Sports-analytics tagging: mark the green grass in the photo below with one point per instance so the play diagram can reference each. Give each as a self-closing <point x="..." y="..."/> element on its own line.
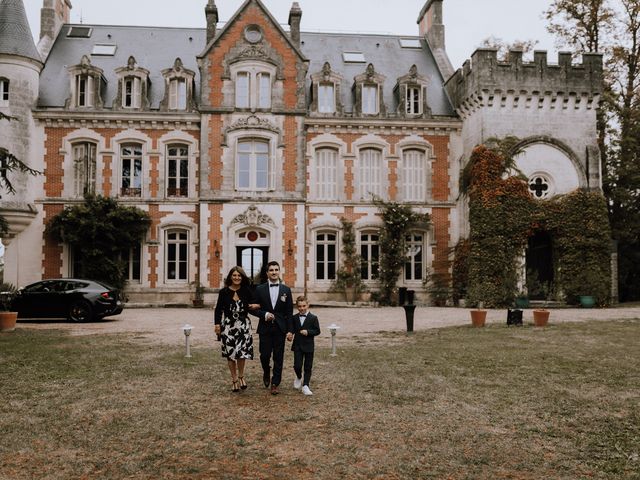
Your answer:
<point x="560" y="402"/>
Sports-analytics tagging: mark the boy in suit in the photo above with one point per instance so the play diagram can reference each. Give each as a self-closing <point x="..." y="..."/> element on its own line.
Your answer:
<point x="274" y="326"/>
<point x="305" y="327"/>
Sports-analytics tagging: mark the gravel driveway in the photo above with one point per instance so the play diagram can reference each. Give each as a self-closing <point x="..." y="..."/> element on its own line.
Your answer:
<point x="164" y="325"/>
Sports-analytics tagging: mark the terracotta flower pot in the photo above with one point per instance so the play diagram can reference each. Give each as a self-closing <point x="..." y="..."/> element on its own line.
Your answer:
<point x="8" y="321"/>
<point x="541" y="318"/>
<point x="478" y="317"/>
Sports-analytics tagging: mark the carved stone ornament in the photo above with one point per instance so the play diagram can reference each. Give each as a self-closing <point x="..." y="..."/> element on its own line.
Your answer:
<point x="254" y="122"/>
<point x="253" y="51"/>
<point x="252" y="217"/>
<point x="413" y="72"/>
<point x="370" y="72"/>
<point x="131" y="63"/>
<point x="326" y="71"/>
<point x="177" y="65"/>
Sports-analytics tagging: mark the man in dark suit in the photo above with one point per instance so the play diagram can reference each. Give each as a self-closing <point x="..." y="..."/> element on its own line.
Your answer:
<point x="305" y="327"/>
<point x="274" y="325"/>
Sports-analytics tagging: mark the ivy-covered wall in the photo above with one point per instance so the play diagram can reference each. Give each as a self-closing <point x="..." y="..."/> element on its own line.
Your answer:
<point x="503" y="215"/>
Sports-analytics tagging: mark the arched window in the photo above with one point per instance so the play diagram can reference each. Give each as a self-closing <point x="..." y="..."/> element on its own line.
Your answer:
<point x="326" y="174"/>
<point x="131" y="170"/>
<point x="369" y="255"/>
<point x="177" y="170"/>
<point x="176" y="255"/>
<point x="414" y="265"/>
<point x="370" y="173"/>
<point x="253" y="170"/>
<point x="413" y="175"/>
<point x="84" y="168"/>
<point x="326" y="255"/>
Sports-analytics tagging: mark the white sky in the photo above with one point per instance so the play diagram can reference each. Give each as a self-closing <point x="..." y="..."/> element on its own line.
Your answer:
<point x="467" y="22"/>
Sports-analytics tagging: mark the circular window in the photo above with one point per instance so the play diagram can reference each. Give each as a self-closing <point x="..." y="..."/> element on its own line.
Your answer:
<point x="540" y="186"/>
<point x="252" y="33"/>
<point x="252" y="236"/>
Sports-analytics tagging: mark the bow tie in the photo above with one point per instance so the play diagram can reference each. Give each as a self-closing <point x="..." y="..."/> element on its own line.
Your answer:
<point x="274" y="284"/>
<point x="303" y="316"/>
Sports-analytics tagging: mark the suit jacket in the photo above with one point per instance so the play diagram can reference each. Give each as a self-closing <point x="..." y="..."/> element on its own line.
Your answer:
<point x="283" y="309"/>
<point x="305" y="343"/>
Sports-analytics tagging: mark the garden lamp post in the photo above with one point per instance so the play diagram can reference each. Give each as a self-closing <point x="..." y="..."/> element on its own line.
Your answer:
<point x="333" y="328"/>
<point x="187" y="333"/>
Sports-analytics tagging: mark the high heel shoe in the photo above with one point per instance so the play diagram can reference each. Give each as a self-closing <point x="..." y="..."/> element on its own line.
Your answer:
<point x="243" y="384"/>
<point x="235" y="385"/>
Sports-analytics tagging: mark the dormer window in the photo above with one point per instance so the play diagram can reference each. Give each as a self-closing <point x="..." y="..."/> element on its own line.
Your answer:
<point x="325" y="91"/>
<point x="4" y="92"/>
<point x="178" y="94"/>
<point x="368" y="92"/>
<point x="326" y="98"/>
<point x="253" y="85"/>
<point x="370" y="99"/>
<point x="133" y="84"/>
<point x="131" y="92"/>
<point x="86" y="83"/>
<point x="411" y="94"/>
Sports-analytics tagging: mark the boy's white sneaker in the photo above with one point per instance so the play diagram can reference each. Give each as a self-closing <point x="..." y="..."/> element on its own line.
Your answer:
<point x="297" y="383"/>
<point x="306" y="390"/>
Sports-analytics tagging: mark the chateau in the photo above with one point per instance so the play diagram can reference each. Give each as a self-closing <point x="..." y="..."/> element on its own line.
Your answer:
<point x="248" y="141"/>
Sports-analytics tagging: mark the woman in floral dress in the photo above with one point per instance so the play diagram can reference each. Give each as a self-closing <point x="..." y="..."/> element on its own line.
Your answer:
<point x="233" y="326"/>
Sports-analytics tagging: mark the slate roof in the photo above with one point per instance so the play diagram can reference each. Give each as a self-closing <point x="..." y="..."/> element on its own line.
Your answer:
<point x="156" y="48"/>
<point x="15" y="34"/>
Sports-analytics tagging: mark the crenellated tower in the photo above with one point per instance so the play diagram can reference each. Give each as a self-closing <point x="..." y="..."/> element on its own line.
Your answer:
<point x="550" y="107"/>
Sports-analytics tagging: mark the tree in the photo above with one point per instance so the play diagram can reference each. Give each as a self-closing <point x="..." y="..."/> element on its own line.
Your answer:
<point x="613" y="28"/>
<point x="100" y="231"/>
<point x="526" y="46"/>
<point x="9" y="163"/>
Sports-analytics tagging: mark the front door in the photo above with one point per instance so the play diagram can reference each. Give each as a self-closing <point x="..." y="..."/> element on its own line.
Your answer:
<point x="252" y="260"/>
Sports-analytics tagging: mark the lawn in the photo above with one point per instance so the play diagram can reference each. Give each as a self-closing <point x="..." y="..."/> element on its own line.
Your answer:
<point x="455" y="403"/>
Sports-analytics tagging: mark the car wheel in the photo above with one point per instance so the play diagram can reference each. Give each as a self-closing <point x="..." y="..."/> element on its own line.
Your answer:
<point x="80" y="312"/>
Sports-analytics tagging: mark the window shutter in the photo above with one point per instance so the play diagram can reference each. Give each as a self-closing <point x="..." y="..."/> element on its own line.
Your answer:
<point x="136" y="92"/>
<point x="90" y="91"/>
<point x="173" y="94"/>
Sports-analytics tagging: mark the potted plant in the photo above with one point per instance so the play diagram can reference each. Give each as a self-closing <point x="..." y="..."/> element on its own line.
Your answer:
<point x="198" y="296"/>
<point x="587" y="301"/>
<point x="478" y="316"/>
<point x="8" y="318"/>
<point x="522" y="299"/>
<point x="541" y="315"/>
<point x="348" y="279"/>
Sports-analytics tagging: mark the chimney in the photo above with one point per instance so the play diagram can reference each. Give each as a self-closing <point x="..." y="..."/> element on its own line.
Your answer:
<point x="53" y="15"/>
<point x="211" y="13"/>
<point x="295" y="15"/>
<point x="431" y="28"/>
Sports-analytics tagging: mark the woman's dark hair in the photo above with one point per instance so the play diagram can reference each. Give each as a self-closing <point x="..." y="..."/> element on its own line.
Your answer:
<point x="245" y="280"/>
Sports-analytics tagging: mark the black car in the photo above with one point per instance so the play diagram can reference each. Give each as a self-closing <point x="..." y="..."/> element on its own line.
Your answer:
<point x="76" y="299"/>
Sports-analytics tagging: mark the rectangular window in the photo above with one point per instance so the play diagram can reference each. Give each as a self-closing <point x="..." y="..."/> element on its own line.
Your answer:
<point x="414" y="177"/>
<point x="413" y="100"/>
<point x="242" y="90"/>
<point x="414" y="265"/>
<point x="326" y="247"/>
<point x="178" y="171"/>
<point x="84" y="91"/>
<point x="252" y="169"/>
<point x="370" y="99"/>
<point x="326" y="177"/>
<point x="131" y="174"/>
<point x="84" y="162"/>
<point x="369" y="256"/>
<point x="177" y="258"/>
<point x="178" y="94"/>
<point x="264" y="90"/>
<point x="370" y="173"/>
<point x="326" y="98"/>
<point x="131" y="92"/>
<point x="4" y="92"/>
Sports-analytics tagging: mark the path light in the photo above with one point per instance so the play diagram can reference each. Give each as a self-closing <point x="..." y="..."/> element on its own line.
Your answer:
<point x="187" y="333"/>
<point x="332" y="328"/>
